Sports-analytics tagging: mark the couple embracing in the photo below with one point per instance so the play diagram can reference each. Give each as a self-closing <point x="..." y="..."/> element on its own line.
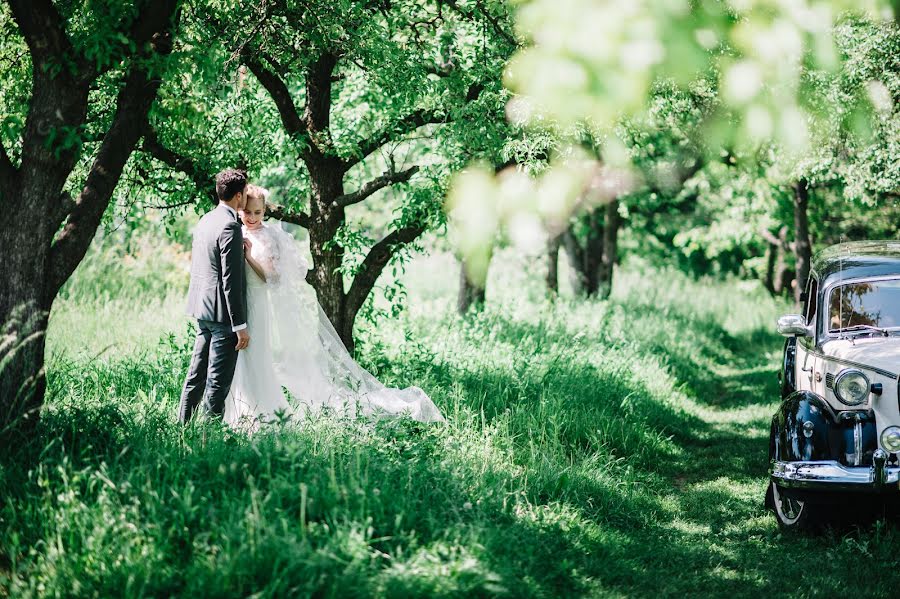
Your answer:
<point x="261" y="330"/>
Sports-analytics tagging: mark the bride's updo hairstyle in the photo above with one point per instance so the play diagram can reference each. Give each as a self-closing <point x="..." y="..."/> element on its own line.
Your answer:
<point x="255" y="192"/>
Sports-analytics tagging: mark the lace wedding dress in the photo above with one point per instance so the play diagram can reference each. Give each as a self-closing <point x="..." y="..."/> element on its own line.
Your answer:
<point x="294" y="346"/>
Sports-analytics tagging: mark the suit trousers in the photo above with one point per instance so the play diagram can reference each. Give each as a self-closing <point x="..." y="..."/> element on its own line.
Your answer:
<point x="212" y="370"/>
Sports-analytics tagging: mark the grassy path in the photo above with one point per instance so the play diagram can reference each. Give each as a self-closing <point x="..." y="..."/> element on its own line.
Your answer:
<point x="593" y="449"/>
<point x="716" y="539"/>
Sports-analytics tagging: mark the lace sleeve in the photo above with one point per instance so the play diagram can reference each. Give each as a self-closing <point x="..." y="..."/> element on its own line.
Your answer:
<point x="270" y="260"/>
<point x="265" y="254"/>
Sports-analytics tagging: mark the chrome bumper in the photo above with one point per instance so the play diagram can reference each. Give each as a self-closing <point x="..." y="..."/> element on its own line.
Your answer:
<point x="833" y="476"/>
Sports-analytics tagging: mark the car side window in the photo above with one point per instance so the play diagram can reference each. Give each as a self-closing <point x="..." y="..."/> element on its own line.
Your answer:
<point x="812" y="294"/>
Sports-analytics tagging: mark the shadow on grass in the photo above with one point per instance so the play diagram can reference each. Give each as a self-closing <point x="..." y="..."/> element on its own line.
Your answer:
<point x="583" y="478"/>
<point x="698" y="520"/>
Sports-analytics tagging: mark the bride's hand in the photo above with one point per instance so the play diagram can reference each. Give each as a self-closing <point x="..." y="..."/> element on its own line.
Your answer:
<point x="248" y="245"/>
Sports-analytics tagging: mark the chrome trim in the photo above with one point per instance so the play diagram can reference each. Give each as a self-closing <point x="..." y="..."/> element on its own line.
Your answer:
<point x="857" y="442"/>
<point x="878" y="470"/>
<point x="859" y="365"/>
<point x="791" y="325"/>
<point x="831" y="475"/>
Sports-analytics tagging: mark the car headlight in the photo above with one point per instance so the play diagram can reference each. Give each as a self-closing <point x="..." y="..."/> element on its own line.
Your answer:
<point x="890" y="438"/>
<point x="851" y="387"/>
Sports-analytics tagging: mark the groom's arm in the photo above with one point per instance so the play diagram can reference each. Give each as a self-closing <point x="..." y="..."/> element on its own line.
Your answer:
<point x="231" y="243"/>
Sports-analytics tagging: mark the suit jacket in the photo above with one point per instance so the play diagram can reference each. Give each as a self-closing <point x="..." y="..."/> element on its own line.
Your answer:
<point x="218" y="290"/>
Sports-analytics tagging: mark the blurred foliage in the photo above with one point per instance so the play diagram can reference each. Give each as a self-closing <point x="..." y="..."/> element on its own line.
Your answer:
<point x="716" y="109"/>
<point x="714" y="222"/>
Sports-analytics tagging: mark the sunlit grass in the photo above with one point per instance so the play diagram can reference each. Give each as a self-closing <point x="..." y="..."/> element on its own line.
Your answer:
<point x="592" y="448"/>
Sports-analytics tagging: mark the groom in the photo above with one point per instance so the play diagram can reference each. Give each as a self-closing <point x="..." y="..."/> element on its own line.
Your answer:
<point x="217" y="299"/>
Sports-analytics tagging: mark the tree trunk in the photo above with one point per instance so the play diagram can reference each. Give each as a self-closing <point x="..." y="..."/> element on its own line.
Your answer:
<point x="802" y="244"/>
<point x="26" y="296"/>
<point x="593" y="262"/>
<point x="778" y="275"/>
<point x="40" y="257"/>
<point x="327" y="255"/>
<point x="784" y="275"/>
<point x="471" y="296"/>
<point x="769" y="275"/>
<point x="593" y="254"/>
<point x="24" y="316"/>
<point x="610" y="245"/>
<point x="553" y="243"/>
<point x="574" y="251"/>
<point x="328" y="201"/>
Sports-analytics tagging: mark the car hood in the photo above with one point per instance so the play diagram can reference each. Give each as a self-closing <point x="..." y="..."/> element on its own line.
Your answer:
<point x="875" y="352"/>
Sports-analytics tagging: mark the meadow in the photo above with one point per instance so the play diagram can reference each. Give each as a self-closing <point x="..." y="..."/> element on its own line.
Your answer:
<point x="592" y="448"/>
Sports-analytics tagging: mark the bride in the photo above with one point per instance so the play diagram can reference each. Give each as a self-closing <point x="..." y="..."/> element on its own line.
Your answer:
<point x="294" y="344"/>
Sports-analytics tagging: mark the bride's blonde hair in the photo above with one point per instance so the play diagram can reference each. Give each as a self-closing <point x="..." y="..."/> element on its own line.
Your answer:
<point x="255" y="192"/>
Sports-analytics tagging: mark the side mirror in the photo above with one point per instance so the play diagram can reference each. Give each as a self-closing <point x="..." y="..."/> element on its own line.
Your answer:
<point x="793" y="325"/>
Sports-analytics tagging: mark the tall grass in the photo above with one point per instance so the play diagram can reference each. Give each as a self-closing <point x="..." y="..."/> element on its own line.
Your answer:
<point x="592" y="448"/>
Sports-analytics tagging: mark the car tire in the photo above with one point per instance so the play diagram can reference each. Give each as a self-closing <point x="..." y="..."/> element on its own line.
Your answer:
<point x="795" y="515"/>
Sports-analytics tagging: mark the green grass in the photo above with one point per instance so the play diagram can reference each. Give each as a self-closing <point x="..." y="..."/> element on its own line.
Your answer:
<point x="592" y="449"/>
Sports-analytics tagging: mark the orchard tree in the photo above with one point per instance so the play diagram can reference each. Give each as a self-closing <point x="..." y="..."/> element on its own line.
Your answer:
<point x="597" y="62"/>
<point x="79" y="81"/>
<point x="330" y="104"/>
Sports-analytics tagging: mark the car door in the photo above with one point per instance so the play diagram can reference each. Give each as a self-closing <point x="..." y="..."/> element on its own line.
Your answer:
<point x="809" y="375"/>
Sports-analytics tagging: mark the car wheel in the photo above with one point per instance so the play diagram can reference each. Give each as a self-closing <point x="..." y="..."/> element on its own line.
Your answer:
<point x="794" y="514"/>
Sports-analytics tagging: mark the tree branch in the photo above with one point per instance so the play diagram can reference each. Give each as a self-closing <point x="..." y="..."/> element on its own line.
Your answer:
<point x="405" y="126"/>
<point x="279" y="212"/>
<point x="43" y="29"/>
<point x="203" y="180"/>
<point x="290" y="116"/>
<point x="388" y="178"/>
<point x="768" y="237"/>
<point x="317" y="113"/>
<point x="375" y="261"/>
<point x="494" y="21"/>
<point x="130" y="122"/>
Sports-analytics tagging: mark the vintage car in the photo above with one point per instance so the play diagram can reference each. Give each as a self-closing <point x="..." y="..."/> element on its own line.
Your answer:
<point x="836" y="434"/>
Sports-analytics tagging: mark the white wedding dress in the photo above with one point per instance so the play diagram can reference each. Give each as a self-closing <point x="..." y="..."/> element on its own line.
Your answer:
<point x="293" y="346"/>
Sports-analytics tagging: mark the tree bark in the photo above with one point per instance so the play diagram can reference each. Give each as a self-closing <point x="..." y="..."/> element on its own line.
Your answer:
<point x="471" y="296"/>
<point x="610" y="254"/>
<point x="593" y="261"/>
<point x="769" y="275"/>
<point x="778" y="275"/>
<point x="41" y="257"/>
<point x="802" y="243"/>
<point x="553" y="244"/>
<point x="24" y="316"/>
<point x="58" y="103"/>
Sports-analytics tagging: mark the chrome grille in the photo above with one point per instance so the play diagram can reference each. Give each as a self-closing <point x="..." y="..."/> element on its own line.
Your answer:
<point x="829" y="380"/>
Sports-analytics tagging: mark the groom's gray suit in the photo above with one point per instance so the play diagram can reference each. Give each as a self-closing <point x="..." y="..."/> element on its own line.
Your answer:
<point x="217" y="298"/>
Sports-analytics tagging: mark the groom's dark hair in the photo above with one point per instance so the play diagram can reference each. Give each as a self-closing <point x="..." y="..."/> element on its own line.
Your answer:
<point x="229" y="182"/>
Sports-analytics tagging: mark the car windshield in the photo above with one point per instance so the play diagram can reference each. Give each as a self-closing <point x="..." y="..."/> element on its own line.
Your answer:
<point x="865" y="307"/>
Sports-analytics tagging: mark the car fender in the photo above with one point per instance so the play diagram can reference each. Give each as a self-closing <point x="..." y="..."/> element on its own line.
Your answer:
<point x="848" y="437"/>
